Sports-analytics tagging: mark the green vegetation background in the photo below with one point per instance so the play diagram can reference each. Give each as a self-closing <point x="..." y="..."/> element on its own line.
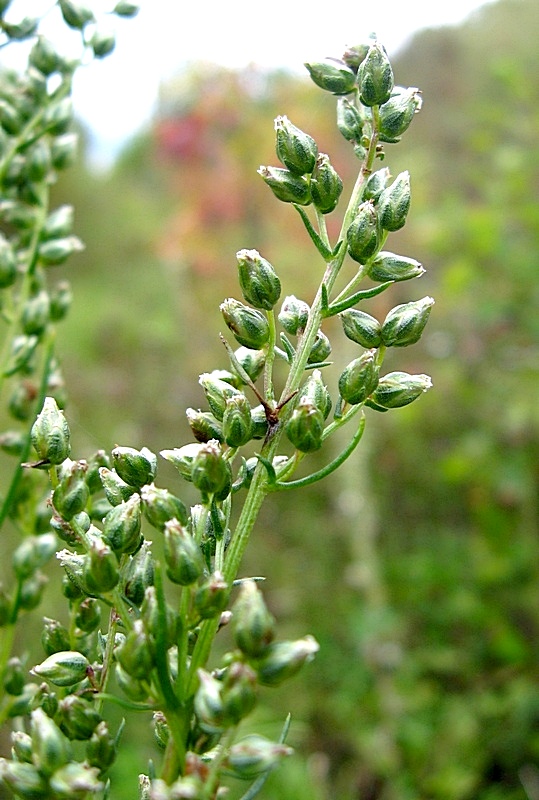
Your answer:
<point x="417" y="567"/>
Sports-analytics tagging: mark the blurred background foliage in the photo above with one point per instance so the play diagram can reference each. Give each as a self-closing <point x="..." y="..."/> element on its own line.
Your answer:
<point x="415" y="567"/>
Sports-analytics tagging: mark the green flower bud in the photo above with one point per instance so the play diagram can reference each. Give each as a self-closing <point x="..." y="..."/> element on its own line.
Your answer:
<point x="100" y="574"/>
<point x="64" y="150"/>
<point x="239" y="692"/>
<point x="258" y="280"/>
<point x="212" y="596"/>
<point x="21" y="747"/>
<point x="332" y="75"/>
<point x="320" y="350"/>
<point x="183" y="557"/>
<point x="20" y="215"/>
<point x="75" y="781"/>
<point x="21" y="705"/>
<point x="14" y="677"/>
<point x="405" y="323"/>
<point x="135" y="467"/>
<point x="305" y="427"/>
<point x="160" y="505"/>
<point x="38" y="162"/>
<point x="151" y="616"/>
<point x="12" y="442"/>
<point x="282" y="660"/>
<point x="354" y="55"/>
<point x="51" y="749"/>
<point x="124" y="8"/>
<point x="293" y="315"/>
<point x="316" y="392"/>
<point x="361" y="328"/>
<point x="260" y="422"/>
<point x="54" y="637"/>
<point x="50" y="433"/>
<point x="255" y="755"/>
<point x="138" y="575"/>
<point x="102" y="748"/>
<point x="64" y="668"/>
<point x="237" y="422"/>
<point x="56" y="251"/>
<point x="60" y="301"/>
<point x="363" y="234"/>
<point x="326" y="185"/>
<point x="182" y="458"/>
<point x="252" y="361"/>
<point x="71" y="495"/>
<point x="397" y="389"/>
<point x="376" y="184"/>
<point x="102" y="43"/>
<point x="252" y="624"/>
<point x="132" y="688"/>
<point x="161" y="730"/>
<point x="31" y="591"/>
<point x="249" y="326"/>
<point x="217" y="392"/>
<point x="359" y="378"/>
<point x="211" y="471"/>
<point x="33" y="553"/>
<point x="295" y="149"/>
<point x="375" y="77"/>
<point x="394" y="203"/>
<point x="116" y="490"/>
<point x="10" y="119"/>
<point x="286" y="186"/>
<point x="43" y="56"/>
<point x="390" y="267"/>
<point x="209" y="704"/>
<point x="23" y="780"/>
<point x="75" y="14"/>
<point x="21" y="402"/>
<point x="8" y="264"/>
<point x="121" y="526"/>
<point x="59" y="223"/>
<point x="397" y="114"/>
<point x="88" y="615"/>
<point x="135" y="654"/>
<point x="22" y="352"/>
<point x="204" y="425"/>
<point x="349" y="120"/>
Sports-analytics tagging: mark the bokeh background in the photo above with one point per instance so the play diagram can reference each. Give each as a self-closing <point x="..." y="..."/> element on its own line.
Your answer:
<point x="416" y="567"/>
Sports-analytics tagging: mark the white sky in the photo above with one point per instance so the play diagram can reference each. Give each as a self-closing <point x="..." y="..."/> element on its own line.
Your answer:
<point x="116" y="97"/>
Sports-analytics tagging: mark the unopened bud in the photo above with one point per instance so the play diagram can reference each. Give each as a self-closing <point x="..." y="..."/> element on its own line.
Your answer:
<point x="394" y="203"/>
<point x="249" y="326"/>
<point x="375" y="77"/>
<point x="23" y="780"/>
<point x="211" y="471"/>
<point x="43" y="56"/>
<point x="134" y="654"/>
<point x="209" y="704"/>
<point x="64" y="668"/>
<point x="102" y="748"/>
<point x="204" y="425"/>
<point x="295" y="149"/>
<point x="135" y="467"/>
<point x="252" y="624"/>
<point x="239" y="692"/>
<point x="217" y="392"/>
<point x="54" y="637"/>
<point x="71" y="495"/>
<point x="101" y="570"/>
<point x="326" y="185"/>
<point x="60" y="301"/>
<point x="391" y="267"/>
<point x="255" y="755"/>
<point x="286" y="186"/>
<point x="14" y="677"/>
<point x="305" y="427"/>
<point x="56" y="251"/>
<point x="258" y="280"/>
<point x="359" y="378"/>
<point x="363" y="236"/>
<point x="88" y="615"/>
<point x="397" y="114"/>
<point x="316" y="392"/>
<point x="252" y="361"/>
<point x="116" y="490"/>
<point x="138" y="575"/>
<point x="320" y="349"/>
<point x="293" y="315"/>
<point x="75" y="781"/>
<point x="102" y="43"/>
<point x="282" y="660"/>
<point x="397" y="389"/>
<point x="212" y="596"/>
<point x="64" y="150"/>
<point x="121" y="526"/>
<point x="405" y="323"/>
<point x="182" y="458"/>
<point x="51" y="749"/>
<point x="361" y="328"/>
<point x="237" y="422"/>
<point x="50" y="433"/>
<point x="349" y="120"/>
<point x="31" y="591"/>
<point x="376" y="183"/>
<point x="33" y="553"/>
<point x="183" y="557"/>
<point x="260" y="422"/>
<point x="160" y="505"/>
<point x="124" y="8"/>
<point x="76" y="14"/>
<point x="332" y="75"/>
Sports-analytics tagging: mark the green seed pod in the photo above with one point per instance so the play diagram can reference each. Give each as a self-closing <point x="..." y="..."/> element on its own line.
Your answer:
<point x="360" y="327"/>
<point x="153" y="625"/>
<point x="182" y="458"/>
<point x="237" y="422"/>
<point x="61" y="298"/>
<point x="326" y="185"/>
<point x="363" y="234"/>
<point x="211" y="596"/>
<point x="397" y="114"/>
<point x="23" y="780"/>
<point x="405" y="323"/>
<point x="56" y="251"/>
<point x="124" y="8"/>
<point x="320" y="350"/>
<point x="88" y="616"/>
<point x="295" y="149"/>
<point x="286" y="186"/>
<point x="38" y="162"/>
<point x="332" y="75"/>
<point x="101" y="574"/>
<point x="135" y="653"/>
<point x="64" y="150"/>
<point x="22" y="352"/>
<point x="349" y="120"/>
<point x="64" y="668"/>
<point x="238" y="693"/>
<point x="31" y="591"/>
<point x="183" y="557"/>
<point x="394" y="203"/>
<point x="258" y="280"/>
<point x="376" y="184"/>
<point x="260" y="422"/>
<point x="294" y="315"/>
<point x="102" y="43"/>
<point x="252" y="361"/>
<point x="71" y="495"/>
<point x="54" y="637"/>
<point x="282" y="660"/>
<point x="20" y="215"/>
<point x="354" y="55"/>
<point x="14" y="677"/>
<point x="12" y="442"/>
<point x="204" y="425"/>
<point x="397" y="389"/>
<point x="209" y="704"/>
<point x="255" y="755"/>
<point x="50" y="433"/>
<point x="211" y="471"/>
<point x="75" y="781"/>
<point x="59" y="223"/>
<point x="375" y="77"/>
<point x="24" y="29"/>
<point x="21" y="747"/>
<point x="159" y="506"/>
<point x="121" y="526"/>
<point x="359" y="378"/>
<point x="132" y="688"/>
<point x="10" y="119"/>
<point x="316" y="392"/>
<point x="135" y="467"/>
<point x="217" y="392"/>
<point x="390" y="267"/>
<point x="33" y="553"/>
<point x="8" y="264"/>
<point x="77" y="717"/>
<point x="116" y="490"/>
<point x="305" y="427"/>
<point x="253" y="626"/>
<point x="102" y="748"/>
<point x="51" y="749"/>
<point x="22" y="400"/>
<point x="75" y="14"/>
<point x="249" y="326"/>
<point x="138" y="575"/>
<point x="43" y="56"/>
